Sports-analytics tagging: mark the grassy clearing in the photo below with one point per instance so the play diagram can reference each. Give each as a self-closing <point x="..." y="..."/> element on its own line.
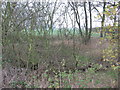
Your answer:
<point x="57" y="32"/>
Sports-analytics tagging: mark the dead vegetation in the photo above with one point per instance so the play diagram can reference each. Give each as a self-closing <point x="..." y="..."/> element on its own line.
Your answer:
<point x="50" y="62"/>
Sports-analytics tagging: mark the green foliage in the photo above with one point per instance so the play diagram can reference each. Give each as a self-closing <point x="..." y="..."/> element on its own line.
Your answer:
<point x="18" y="84"/>
<point x="22" y="84"/>
<point x="34" y="47"/>
<point x="53" y="83"/>
<point x="82" y="60"/>
<point x="97" y="81"/>
<point x="113" y="73"/>
<point x="110" y="54"/>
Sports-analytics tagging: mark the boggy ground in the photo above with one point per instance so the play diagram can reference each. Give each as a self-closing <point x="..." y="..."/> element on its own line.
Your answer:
<point x="46" y="62"/>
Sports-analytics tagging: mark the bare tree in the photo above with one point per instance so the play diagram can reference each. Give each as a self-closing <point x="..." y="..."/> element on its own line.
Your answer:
<point x="77" y="16"/>
<point x="75" y="7"/>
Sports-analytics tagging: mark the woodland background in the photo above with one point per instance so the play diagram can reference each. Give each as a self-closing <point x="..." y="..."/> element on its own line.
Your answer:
<point x="54" y="44"/>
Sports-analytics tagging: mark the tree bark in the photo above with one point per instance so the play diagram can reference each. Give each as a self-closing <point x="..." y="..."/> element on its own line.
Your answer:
<point x="114" y="24"/>
<point x="86" y="23"/>
<point x="103" y="20"/>
<point x="77" y="17"/>
<point x="90" y="20"/>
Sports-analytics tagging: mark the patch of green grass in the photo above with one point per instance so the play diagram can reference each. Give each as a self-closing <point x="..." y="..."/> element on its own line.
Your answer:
<point x="82" y="60"/>
<point x="107" y="87"/>
<point x="94" y="34"/>
<point x="18" y="84"/>
<point x="56" y="32"/>
<point x="97" y="81"/>
<point x="112" y="73"/>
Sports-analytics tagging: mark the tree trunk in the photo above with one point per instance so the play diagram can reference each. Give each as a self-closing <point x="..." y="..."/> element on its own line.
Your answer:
<point x="90" y="20"/>
<point x="86" y="24"/>
<point x="103" y="20"/>
<point x="114" y="24"/>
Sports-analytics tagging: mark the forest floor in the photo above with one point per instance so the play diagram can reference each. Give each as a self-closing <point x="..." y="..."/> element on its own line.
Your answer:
<point x="54" y="73"/>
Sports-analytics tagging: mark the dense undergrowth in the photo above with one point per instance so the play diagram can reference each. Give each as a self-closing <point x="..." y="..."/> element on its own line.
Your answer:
<point x="46" y="63"/>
